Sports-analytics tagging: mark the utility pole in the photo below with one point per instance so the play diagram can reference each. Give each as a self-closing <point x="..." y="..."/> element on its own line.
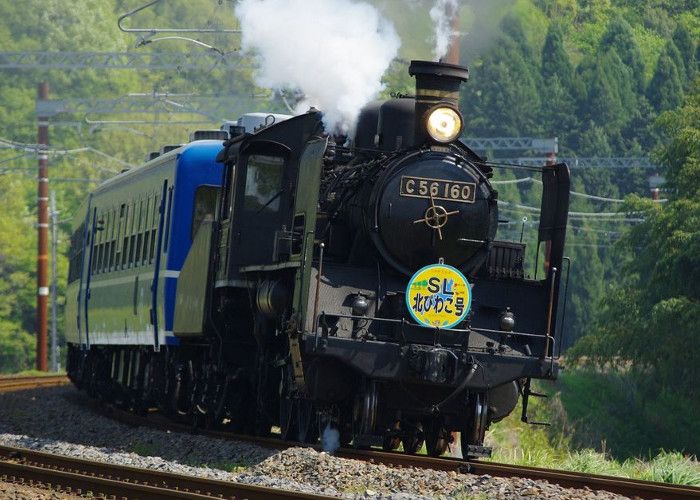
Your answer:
<point x="54" y="284"/>
<point x="42" y="228"/>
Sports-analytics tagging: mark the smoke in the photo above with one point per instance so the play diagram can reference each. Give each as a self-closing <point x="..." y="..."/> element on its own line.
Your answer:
<point x="334" y="51"/>
<point x="442" y="13"/>
<point x="330" y="439"/>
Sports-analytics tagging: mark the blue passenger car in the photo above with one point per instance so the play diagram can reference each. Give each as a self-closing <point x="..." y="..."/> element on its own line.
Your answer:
<point x="129" y="242"/>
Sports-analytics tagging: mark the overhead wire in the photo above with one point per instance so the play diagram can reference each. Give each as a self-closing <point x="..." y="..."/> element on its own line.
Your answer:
<point x="37" y="148"/>
<point x="532" y="180"/>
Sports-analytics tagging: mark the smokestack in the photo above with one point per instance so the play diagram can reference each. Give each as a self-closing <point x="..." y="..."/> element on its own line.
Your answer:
<point x="452" y="56"/>
<point x="436" y="83"/>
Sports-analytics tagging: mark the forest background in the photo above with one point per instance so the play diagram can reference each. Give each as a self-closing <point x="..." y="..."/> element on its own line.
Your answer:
<point x="609" y="78"/>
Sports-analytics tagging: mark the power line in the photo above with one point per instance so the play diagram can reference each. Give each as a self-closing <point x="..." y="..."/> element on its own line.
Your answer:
<point x="41" y="149"/>
<point x="215" y="107"/>
<point x="575" y="193"/>
<point x="121" y="60"/>
<point x="528" y="208"/>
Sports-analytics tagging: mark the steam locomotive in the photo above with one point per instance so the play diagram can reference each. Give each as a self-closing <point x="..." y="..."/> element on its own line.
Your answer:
<point x="275" y="275"/>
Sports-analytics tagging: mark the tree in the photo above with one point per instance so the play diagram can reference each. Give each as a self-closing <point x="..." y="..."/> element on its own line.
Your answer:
<point x="619" y="36"/>
<point x="650" y="316"/>
<point x="684" y="41"/>
<point x="559" y="118"/>
<point x="665" y="90"/>
<point x="555" y="60"/>
<point x="611" y="96"/>
<point x="502" y="96"/>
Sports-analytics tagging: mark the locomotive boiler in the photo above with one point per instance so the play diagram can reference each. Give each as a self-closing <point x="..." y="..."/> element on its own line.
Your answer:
<point x="355" y="283"/>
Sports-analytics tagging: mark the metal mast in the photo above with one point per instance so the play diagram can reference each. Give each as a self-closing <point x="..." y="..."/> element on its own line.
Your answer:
<point x="54" y="284"/>
<point x="43" y="229"/>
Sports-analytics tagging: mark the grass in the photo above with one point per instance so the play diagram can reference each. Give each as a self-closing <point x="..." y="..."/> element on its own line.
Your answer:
<point x="227" y="466"/>
<point x="604" y="423"/>
<point x="144" y="449"/>
<point x="31" y="373"/>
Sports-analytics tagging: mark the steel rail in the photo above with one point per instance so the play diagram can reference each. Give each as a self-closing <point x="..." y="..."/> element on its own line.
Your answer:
<point x="9" y="384"/>
<point x="101" y="478"/>
<point x="565" y="479"/>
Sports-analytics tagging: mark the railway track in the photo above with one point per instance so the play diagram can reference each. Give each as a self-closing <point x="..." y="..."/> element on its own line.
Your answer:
<point x="99" y="479"/>
<point x="623" y="486"/>
<point x="9" y="384"/>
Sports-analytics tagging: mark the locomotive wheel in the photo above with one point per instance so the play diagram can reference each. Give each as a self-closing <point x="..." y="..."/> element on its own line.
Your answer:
<point x="437" y="439"/>
<point x="413" y="442"/>
<point x="475" y="430"/>
<point x="391" y="440"/>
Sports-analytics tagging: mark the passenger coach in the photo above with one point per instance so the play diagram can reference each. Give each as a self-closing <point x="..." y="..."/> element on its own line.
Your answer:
<point x="144" y="222"/>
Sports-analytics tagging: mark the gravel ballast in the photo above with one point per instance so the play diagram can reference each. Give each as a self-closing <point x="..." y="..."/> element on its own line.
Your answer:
<point x="58" y="420"/>
<point x="13" y="491"/>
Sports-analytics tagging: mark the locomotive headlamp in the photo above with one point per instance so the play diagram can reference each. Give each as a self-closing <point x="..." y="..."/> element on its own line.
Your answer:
<point x="443" y="123"/>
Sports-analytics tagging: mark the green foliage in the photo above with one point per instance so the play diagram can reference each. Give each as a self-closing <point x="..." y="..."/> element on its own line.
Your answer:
<point x="604" y="423"/>
<point x="555" y="59"/>
<point x="649" y="319"/>
<point x="665" y="90"/>
<point x="620" y="37"/>
<point x="16" y="348"/>
<point x="683" y="40"/>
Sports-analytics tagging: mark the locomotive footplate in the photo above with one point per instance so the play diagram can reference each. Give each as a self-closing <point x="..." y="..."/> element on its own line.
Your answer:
<point x="427" y="364"/>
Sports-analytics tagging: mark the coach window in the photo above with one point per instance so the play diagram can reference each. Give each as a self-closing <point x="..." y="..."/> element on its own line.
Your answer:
<point x="97" y="244"/>
<point x="133" y="227"/>
<point x="205" y="201"/>
<point x="146" y="230"/>
<point x="168" y="211"/>
<point x="107" y="240"/>
<point x="118" y="237"/>
<point x="110" y="241"/>
<point x="102" y="231"/>
<point x="154" y="230"/>
<point x="125" y="234"/>
<point x="139" y="235"/>
<point x="263" y="185"/>
<point x="76" y="254"/>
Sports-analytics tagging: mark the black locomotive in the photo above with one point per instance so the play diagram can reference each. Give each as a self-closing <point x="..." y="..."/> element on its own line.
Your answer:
<point x="290" y="306"/>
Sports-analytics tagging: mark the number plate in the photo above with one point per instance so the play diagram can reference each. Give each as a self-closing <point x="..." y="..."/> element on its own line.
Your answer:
<point x="423" y="187"/>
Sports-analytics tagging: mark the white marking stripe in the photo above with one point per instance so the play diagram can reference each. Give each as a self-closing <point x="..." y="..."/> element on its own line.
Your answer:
<point x="43" y="290"/>
<point x="170" y="274"/>
<point x="143" y="337"/>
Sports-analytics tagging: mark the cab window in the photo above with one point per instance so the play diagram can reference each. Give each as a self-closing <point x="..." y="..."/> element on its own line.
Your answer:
<point x="263" y="186"/>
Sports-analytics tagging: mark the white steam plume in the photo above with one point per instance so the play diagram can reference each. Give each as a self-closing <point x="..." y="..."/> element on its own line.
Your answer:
<point x="442" y="13"/>
<point x="334" y="51"/>
<point x="330" y="439"/>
